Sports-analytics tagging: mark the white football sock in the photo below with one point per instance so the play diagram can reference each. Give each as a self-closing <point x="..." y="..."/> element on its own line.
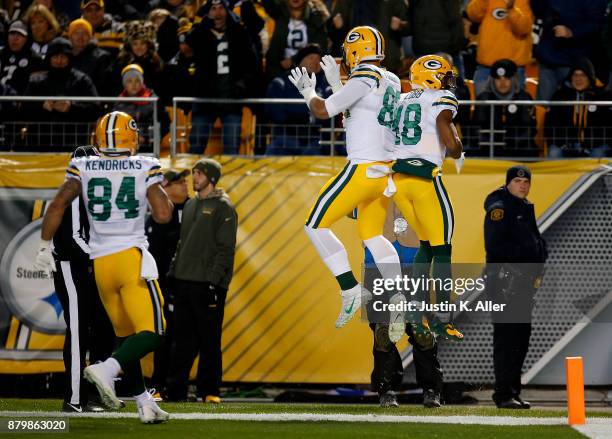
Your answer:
<point x="112" y="366"/>
<point x="385" y="256"/>
<point x="330" y="249"/>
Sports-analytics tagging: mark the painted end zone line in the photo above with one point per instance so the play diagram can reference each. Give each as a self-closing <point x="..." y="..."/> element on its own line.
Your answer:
<point x="317" y="417"/>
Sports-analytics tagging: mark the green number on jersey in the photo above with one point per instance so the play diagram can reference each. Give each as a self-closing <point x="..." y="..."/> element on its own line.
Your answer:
<point x="125" y="200"/>
<point x="385" y="116"/>
<point x="412" y="119"/>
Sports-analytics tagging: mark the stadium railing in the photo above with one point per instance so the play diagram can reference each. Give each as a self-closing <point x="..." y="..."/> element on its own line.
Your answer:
<point x="18" y="134"/>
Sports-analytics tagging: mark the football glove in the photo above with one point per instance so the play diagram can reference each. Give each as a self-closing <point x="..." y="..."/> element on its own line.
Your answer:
<point x="332" y="72"/>
<point x="44" y="259"/>
<point x="304" y="83"/>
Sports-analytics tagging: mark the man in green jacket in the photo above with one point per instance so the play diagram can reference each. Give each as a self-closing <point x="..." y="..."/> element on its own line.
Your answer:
<point x="202" y="269"/>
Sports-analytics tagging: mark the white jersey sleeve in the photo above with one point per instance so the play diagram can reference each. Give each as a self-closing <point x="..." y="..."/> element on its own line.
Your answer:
<point x="154" y="173"/>
<point x="346" y="97"/>
<point x="73" y="170"/>
<point x="444" y="100"/>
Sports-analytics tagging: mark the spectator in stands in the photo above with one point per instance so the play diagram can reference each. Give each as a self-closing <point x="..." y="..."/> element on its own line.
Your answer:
<point x="437" y="26"/>
<point x="61" y="120"/>
<point x="570" y="29"/>
<point x="178" y="73"/>
<point x="177" y="8"/>
<point x="297" y="24"/>
<point x="517" y="120"/>
<point x="139" y="48"/>
<point x="295" y="139"/>
<point x="7" y="114"/>
<point x="390" y="17"/>
<point x="43" y="27"/>
<point x="580" y="129"/>
<point x="86" y="55"/>
<point x="505" y="33"/>
<point x="107" y="32"/>
<point x="17" y="59"/>
<point x="226" y="67"/>
<point x="133" y="81"/>
<point x="166" y="26"/>
<point x="62" y="18"/>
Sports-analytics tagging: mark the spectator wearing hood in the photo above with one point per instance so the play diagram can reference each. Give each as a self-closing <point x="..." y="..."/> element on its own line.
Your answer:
<point x="504" y="84"/>
<point x="580" y="129"/>
<point x="44" y="27"/>
<point x="17" y="59"/>
<point x="60" y="116"/>
<point x="134" y="85"/>
<point x="166" y="26"/>
<point x="570" y="29"/>
<point x="86" y="55"/>
<point x="179" y="72"/>
<point x="504" y="33"/>
<point x="226" y="68"/>
<point x="295" y="139"/>
<point x="297" y="24"/>
<point x="139" y="48"/>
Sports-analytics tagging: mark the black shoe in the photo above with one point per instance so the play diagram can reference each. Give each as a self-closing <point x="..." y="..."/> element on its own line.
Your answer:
<point x="388" y="400"/>
<point x="509" y="403"/>
<point x="431" y="399"/>
<point x="524" y="404"/>
<point x="72" y="408"/>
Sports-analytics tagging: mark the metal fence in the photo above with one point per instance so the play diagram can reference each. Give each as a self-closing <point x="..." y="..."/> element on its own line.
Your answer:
<point x="487" y="128"/>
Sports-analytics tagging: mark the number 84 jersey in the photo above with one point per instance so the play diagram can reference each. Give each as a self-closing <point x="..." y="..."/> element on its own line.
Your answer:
<point x="416" y="133"/>
<point x="115" y="195"/>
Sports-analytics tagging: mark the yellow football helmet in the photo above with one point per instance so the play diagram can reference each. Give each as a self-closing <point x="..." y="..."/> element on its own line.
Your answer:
<point x="117" y="134"/>
<point x="432" y="71"/>
<point x="362" y="43"/>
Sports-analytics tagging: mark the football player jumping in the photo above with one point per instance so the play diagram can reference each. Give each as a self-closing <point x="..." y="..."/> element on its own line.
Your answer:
<point x="364" y="179"/>
<point x="116" y="187"/>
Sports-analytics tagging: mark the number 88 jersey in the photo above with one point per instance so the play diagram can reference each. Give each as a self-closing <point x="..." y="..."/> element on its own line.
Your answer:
<point x="115" y="195"/>
<point x="416" y="133"/>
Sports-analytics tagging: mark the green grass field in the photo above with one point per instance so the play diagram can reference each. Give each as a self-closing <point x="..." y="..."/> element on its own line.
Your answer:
<point x="342" y="427"/>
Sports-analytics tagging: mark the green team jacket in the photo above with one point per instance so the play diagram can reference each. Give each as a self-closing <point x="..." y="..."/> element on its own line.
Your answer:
<point x="207" y="244"/>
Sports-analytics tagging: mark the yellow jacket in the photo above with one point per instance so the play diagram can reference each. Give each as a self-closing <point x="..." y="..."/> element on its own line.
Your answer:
<point x="503" y="33"/>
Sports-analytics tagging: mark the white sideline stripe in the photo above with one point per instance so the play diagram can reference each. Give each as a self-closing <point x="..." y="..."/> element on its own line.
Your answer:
<point x="318" y="417"/>
<point x="596" y="431"/>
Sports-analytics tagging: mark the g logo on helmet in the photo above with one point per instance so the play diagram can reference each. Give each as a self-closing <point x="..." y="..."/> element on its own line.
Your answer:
<point x="352" y="37"/>
<point x="132" y="125"/>
<point x="499" y="13"/>
<point x="432" y="64"/>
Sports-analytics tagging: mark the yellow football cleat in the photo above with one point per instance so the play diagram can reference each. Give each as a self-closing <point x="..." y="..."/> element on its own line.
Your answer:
<point x="212" y="399"/>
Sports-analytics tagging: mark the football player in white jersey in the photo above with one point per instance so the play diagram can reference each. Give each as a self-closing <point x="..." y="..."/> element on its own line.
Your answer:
<point x="116" y="188"/>
<point x="362" y="182"/>
<point x="425" y="134"/>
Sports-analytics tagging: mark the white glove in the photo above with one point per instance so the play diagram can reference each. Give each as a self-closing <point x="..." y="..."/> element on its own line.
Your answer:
<point x="459" y="163"/>
<point x="44" y="259"/>
<point x="397" y="323"/>
<point x="304" y="83"/>
<point x="332" y="72"/>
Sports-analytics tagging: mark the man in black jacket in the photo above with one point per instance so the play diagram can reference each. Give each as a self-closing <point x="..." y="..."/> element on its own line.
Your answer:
<point x="226" y="68"/>
<point x="202" y="269"/>
<point x="516" y="253"/>
<point x="60" y="122"/>
<point x="87" y="56"/>
<point x="17" y="59"/>
<point x="87" y="325"/>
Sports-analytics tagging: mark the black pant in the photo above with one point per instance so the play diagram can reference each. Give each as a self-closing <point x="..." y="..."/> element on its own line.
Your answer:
<point x="88" y="327"/>
<point x="388" y="371"/>
<point x="162" y="355"/>
<point x="198" y="320"/>
<point x="510" y="345"/>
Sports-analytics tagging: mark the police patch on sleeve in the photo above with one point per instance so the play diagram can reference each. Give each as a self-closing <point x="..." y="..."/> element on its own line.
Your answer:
<point x="497" y="214"/>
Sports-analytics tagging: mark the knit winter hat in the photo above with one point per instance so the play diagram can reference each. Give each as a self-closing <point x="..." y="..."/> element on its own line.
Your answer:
<point x="80" y="23"/>
<point x="132" y="71"/>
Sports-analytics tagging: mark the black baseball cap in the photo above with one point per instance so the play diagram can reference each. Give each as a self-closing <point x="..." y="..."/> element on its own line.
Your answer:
<point x="517" y="171"/>
<point x="504" y="68"/>
<point x="172" y="175"/>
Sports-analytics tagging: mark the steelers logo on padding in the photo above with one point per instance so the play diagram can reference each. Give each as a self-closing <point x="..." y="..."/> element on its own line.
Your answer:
<point x="432" y="64"/>
<point x="132" y="125"/>
<point x="352" y="37"/>
<point x="499" y="13"/>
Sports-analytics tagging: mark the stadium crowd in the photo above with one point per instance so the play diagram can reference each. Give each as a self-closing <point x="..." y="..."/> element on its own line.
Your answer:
<point x="506" y="50"/>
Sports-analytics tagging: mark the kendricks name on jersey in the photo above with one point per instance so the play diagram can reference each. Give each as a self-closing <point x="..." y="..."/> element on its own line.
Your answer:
<point x="112" y="165"/>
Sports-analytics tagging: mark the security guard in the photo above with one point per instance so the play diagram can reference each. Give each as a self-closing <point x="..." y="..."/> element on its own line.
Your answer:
<point x="87" y="325"/>
<point x="516" y="253"/>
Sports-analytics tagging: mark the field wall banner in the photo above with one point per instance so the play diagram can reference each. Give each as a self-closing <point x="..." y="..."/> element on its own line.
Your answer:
<point x="282" y="303"/>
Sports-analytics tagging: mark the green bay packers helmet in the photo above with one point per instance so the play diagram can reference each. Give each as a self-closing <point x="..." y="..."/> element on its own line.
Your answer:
<point x="117" y="134"/>
<point x="432" y="71"/>
<point x="362" y="43"/>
